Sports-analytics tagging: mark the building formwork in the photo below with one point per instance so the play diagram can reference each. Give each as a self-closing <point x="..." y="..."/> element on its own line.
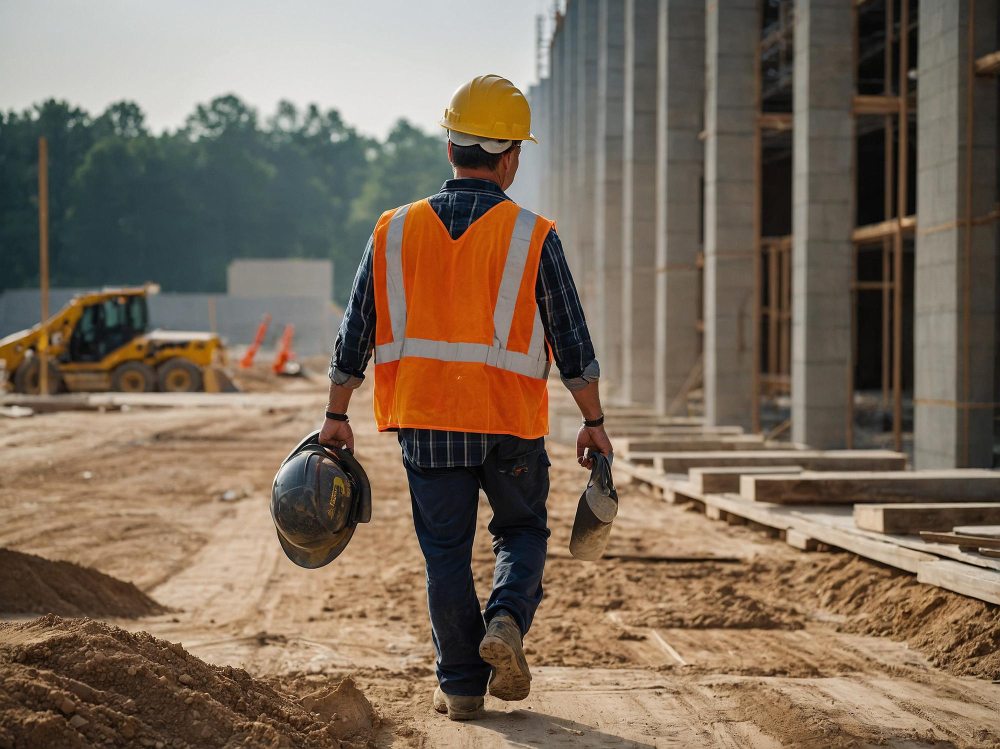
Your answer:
<point x="789" y="208"/>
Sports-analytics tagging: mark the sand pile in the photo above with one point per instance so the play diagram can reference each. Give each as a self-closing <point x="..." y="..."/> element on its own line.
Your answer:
<point x="957" y="633"/>
<point x="32" y="585"/>
<point x="77" y="682"/>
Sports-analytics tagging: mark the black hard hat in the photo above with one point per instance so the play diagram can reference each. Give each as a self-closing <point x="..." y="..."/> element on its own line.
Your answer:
<point x="319" y="496"/>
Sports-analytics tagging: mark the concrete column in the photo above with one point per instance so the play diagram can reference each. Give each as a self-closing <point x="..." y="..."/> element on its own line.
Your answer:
<point x="605" y="316"/>
<point x="822" y="219"/>
<point x="568" y="228"/>
<point x="583" y="158"/>
<point x="955" y="294"/>
<point x="679" y="157"/>
<point x="527" y="187"/>
<point x="732" y="31"/>
<point x="639" y="202"/>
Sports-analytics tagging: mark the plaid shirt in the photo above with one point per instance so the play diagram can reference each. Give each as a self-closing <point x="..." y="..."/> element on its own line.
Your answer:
<point x="459" y="203"/>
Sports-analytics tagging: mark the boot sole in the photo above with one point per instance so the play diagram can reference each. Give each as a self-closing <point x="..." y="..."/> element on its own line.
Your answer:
<point x="511" y="680"/>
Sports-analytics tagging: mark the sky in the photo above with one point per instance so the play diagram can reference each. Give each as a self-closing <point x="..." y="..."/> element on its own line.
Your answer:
<point x="374" y="61"/>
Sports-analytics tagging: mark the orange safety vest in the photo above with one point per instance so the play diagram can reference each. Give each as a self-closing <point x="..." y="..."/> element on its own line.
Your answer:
<point x="459" y="343"/>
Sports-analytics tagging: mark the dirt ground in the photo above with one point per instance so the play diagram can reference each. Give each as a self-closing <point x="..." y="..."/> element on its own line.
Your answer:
<point x="736" y="640"/>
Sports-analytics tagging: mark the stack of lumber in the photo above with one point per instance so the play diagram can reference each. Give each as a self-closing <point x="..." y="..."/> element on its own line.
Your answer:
<point x="943" y="526"/>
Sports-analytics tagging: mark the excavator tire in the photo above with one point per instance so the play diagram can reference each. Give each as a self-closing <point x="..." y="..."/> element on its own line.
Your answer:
<point x="178" y="375"/>
<point x="133" y="377"/>
<point x="27" y="380"/>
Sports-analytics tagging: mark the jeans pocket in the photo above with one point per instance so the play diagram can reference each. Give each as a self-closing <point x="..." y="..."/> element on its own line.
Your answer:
<point x="518" y="457"/>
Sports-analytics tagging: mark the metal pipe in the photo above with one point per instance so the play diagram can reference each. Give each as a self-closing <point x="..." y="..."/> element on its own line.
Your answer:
<point x="887" y="203"/>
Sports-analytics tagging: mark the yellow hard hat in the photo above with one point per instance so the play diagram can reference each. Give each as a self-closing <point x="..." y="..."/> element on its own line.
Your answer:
<point x="489" y="106"/>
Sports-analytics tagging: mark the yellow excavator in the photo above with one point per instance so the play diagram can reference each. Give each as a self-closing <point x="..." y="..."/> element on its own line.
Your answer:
<point x="100" y="341"/>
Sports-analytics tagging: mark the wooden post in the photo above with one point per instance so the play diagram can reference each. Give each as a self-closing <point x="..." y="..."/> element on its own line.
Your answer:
<point x="43" y="262"/>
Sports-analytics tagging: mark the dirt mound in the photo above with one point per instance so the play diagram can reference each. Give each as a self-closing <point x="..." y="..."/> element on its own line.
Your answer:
<point x="32" y="585"/>
<point x="721" y="607"/>
<point x="77" y="682"/>
<point x="957" y="633"/>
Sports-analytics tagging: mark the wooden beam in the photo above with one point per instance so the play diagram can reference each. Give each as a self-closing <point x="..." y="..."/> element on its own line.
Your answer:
<point x="695" y="443"/>
<point x="875" y="104"/>
<point x="961" y="540"/>
<point x="992" y="531"/>
<point x="810" y="460"/>
<point x="727" y="479"/>
<point x="988" y="64"/>
<point x="779" y="121"/>
<point x="962" y="578"/>
<point x="852" y="487"/>
<point x="871" y="233"/>
<point x="915" y="517"/>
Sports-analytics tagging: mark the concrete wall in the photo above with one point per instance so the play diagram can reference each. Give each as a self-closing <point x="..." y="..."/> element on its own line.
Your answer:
<point x="823" y="217"/>
<point x="731" y="39"/>
<point x="955" y="299"/>
<point x="278" y="278"/>
<point x="605" y="315"/>
<point x="679" y="157"/>
<point x="639" y="202"/>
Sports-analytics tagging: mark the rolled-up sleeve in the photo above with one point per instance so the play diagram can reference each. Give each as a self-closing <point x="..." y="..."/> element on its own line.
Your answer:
<point x="353" y="348"/>
<point x="563" y="318"/>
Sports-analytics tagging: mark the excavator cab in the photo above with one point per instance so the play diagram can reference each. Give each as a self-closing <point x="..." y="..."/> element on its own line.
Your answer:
<point x="105" y="326"/>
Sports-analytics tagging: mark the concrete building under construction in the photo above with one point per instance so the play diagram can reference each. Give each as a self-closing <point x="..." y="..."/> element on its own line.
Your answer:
<point x="787" y="206"/>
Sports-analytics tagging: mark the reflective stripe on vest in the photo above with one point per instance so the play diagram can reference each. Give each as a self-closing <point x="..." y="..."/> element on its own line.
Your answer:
<point x="534" y="364"/>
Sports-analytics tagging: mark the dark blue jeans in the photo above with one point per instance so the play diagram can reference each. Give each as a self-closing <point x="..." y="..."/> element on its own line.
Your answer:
<point x="515" y="479"/>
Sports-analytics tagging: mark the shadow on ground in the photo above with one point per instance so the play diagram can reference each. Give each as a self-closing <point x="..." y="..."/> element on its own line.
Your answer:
<point x="531" y="729"/>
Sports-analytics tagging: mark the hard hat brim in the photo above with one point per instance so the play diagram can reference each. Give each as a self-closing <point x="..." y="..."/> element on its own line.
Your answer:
<point x="469" y="131"/>
<point x="314" y="559"/>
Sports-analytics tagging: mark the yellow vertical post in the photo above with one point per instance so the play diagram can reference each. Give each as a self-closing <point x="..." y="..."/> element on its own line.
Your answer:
<point x="43" y="261"/>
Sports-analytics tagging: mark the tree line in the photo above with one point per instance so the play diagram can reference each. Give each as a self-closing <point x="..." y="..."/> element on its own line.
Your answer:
<point x="128" y="206"/>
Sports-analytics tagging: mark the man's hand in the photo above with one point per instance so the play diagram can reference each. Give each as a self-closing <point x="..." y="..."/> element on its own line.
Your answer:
<point x="590" y="440"/>
<point x="337" y="434"/>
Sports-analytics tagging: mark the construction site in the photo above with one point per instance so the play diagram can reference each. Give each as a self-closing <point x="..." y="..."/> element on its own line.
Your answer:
<point x="782" y="220"/>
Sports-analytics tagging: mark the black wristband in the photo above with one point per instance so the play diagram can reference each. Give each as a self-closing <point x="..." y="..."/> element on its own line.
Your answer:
<point x="598" y="422"/>
<point x="336" y="417"/>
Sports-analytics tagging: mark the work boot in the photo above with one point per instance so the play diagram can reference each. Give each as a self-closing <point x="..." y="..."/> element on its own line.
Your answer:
<point x="458" y="707"/>
<point x="501" y="648"/>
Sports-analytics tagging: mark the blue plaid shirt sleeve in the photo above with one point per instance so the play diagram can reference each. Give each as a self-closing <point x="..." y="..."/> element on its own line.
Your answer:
<point x="353" y="348"/>
<point x="562" y="317"/>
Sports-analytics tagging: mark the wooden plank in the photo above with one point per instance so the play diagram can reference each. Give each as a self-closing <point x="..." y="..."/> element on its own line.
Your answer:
<point x="695" y="443"/>
<point x="991" y="553"/>
<point x="990" y="531"/>
<point x="849" y="487"/>
<point x="912" y="517"/>
<point x="811" y="460"/>
<point x="727" y="479"/>
<point x="961" y="540"/>
<point x="962" y="578"/>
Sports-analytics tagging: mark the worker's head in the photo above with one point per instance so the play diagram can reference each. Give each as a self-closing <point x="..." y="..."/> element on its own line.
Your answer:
<point x="486" y="121"/>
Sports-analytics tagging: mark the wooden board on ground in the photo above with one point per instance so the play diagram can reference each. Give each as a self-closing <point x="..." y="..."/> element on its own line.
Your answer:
<point x="991" y="531"/>
<point x="961" y="540"/>
<point x="991" y="553"/>
<point x="962" y="578"/>
<point x="698" y="443"/>
<point x="912" y="517"/>
<point x="873" y="486"/>
<point x="627" y="429"/>
<point x="810" y="460"/>
<point x="727" y="479"/>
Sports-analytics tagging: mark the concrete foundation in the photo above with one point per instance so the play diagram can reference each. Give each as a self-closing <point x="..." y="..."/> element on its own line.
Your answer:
<point x="639" y="202"/>
<point x="604" y="315"/>
<point x="955" y="307"/>
<point x="731" y="39"/>
<point x="583" y="159"/>
<point x="823" y="217"/>
<point x="679" y="156"/>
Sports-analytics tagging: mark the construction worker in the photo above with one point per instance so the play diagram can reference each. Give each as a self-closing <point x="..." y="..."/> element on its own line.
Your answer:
<point x="463" y="297"/>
